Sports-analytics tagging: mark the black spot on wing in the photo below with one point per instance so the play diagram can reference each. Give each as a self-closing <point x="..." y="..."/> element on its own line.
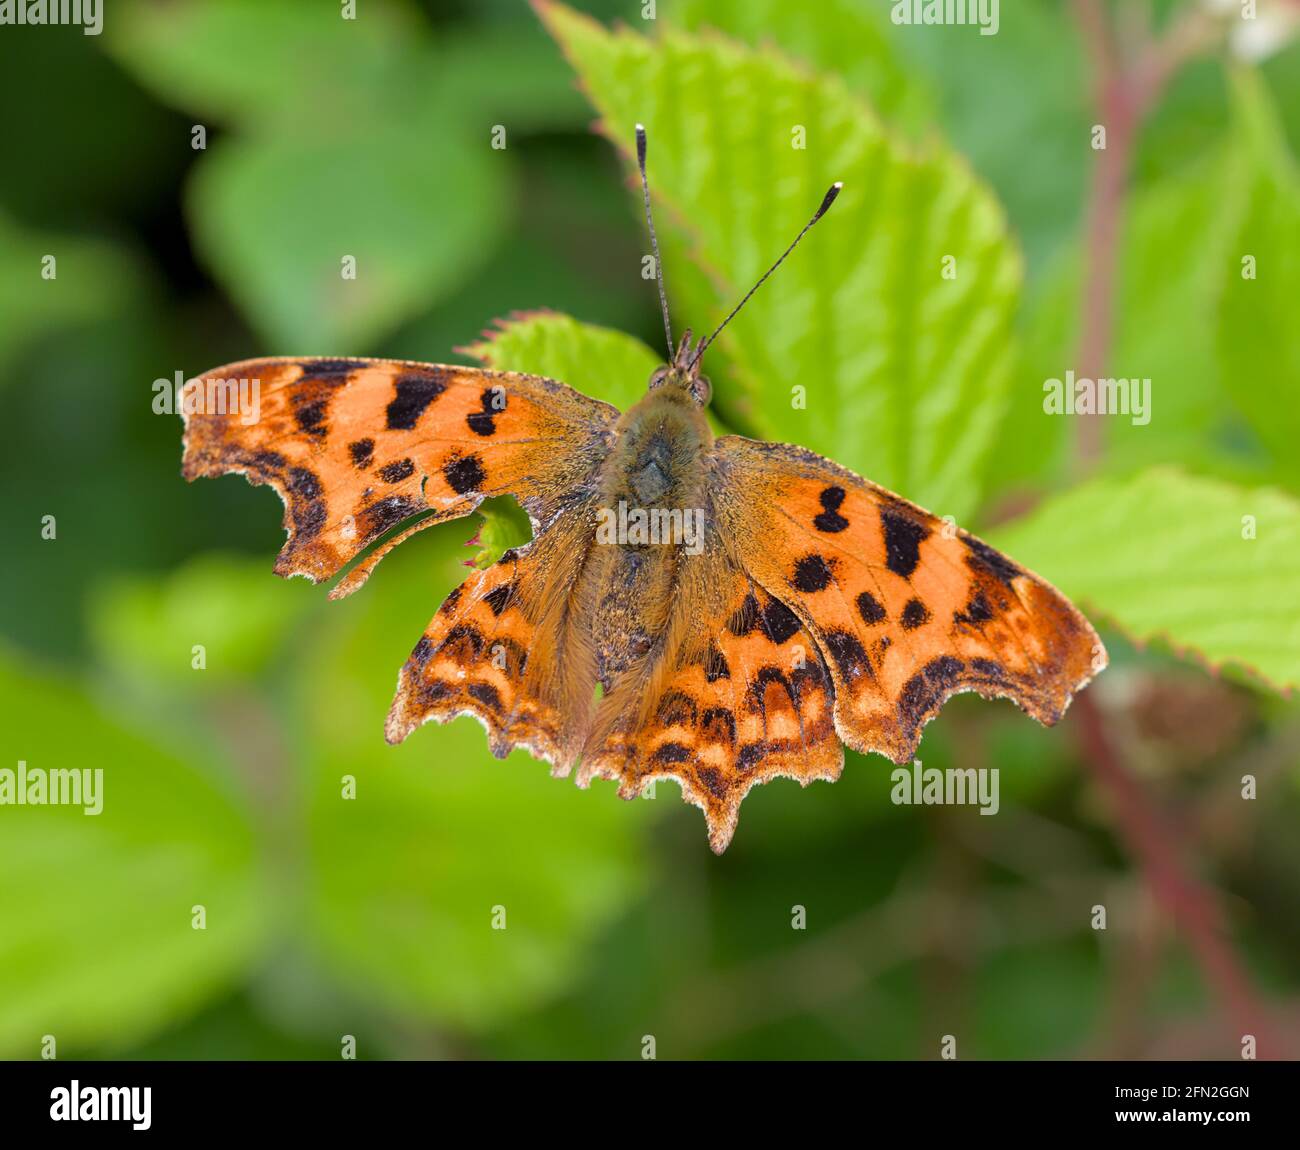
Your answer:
<point x="977" y="611"/>
<point x="302" y="483"/>
<point x="811" y="573"/>
<point x="671" y="753"/>
<point x="914" y="615"/>
<point x="712" y="781"/>
<point x="830" y="520"/>
<point x="396" y="471"/>
<point x="464" y="474"/>
<point x="779" y="622"/>
<point x="493" y="402"/>
<point x="379" y="517"/>
<point x="311" y="417"/>
<point x="989" y="670"/>
<point x="308" y="519"/>
<point x="809" y="676"/>
<point x="985" y="559"/>
<point x="870" y="609"/>
<point x="903" y="538"/>
<point x="498" y="599"/>
<point x="433" y="692"/>
<point x="362" y="451"/>
<point x="413" y="393"/>
<point x="422" y="653"/>
<point x="464" y="635"/>
<point x="926" y="689"/>
<point x="849" y="654"/>
<point x="333" y="371"/>
<point x="486" y="694"/>
<point x="763" y="678"/>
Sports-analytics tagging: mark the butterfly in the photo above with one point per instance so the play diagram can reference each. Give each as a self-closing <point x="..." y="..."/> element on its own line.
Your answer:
<point x="714" y="610"/>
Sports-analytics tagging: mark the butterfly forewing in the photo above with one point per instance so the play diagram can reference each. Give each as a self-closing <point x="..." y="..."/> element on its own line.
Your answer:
<point x="906" y="609"/>
<point x="356" y="447"/>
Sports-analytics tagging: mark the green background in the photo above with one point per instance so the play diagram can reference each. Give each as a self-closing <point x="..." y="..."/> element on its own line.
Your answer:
<point x="372" y="916"/>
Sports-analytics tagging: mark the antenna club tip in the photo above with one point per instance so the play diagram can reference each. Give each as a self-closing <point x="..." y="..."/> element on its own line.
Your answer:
<point x="828" y="199"/>
<point x="640" y="145"/>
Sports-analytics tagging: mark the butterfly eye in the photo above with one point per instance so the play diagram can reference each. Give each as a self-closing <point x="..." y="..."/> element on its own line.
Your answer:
<point x="658" y="376"/>
<point x="702" y="389"/>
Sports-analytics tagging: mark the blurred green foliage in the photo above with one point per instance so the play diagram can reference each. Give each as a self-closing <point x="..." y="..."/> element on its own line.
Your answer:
<point x="350" y="887"/>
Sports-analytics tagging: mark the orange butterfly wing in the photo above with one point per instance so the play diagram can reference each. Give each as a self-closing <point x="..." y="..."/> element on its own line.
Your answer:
<point x="741" y="696"/>
<point x="906" y="610"/>
<point x="355" y="447"/>
<point x="499" y="649"/>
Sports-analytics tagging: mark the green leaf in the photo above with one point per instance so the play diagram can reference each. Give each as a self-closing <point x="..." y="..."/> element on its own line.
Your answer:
<point x="597" y="361"/>
<point x="32" y="305"/>
<point x="512" y="76"/>
<point x="1032" y="151"/>
<point x="357" y="190"/>
<point x="97" y="944"/>
<point x="1257" y="339"/>
<point x="145" y="628"/>
<point x="229" y="58"/>
<point x="849" y="39"/>
<point x="505" y="525"/>
<point x="277" y="219"/>
<point x="1208" y="567"/>
<point x="404" y="878"/>
<point x="904" y="372"/>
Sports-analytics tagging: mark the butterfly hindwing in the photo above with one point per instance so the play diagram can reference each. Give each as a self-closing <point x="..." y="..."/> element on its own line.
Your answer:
<point x="906" y="609"/>
<point x="739" y="695"/>
<point x="498" y="650"/>
<point x="356" y="447"/>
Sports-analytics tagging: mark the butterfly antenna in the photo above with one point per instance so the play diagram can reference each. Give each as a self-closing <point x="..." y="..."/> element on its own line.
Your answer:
<point x="654" y="240"/>
<point x="827" y="200"/>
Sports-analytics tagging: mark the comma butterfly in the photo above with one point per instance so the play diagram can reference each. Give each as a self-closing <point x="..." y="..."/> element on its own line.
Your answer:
<point x="815" y="607"/>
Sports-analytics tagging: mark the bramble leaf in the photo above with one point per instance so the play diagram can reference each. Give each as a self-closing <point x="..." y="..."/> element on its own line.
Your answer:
<point x="1209" y="567"/>
<point x="98" y="944"/>
<point x="860" y="348"/>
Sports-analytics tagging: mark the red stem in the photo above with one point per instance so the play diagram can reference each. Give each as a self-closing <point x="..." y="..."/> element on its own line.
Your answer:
<point x="1193" y="905"/>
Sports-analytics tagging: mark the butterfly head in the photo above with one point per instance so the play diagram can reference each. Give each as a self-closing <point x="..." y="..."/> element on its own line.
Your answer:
<point x="684" y="372"/>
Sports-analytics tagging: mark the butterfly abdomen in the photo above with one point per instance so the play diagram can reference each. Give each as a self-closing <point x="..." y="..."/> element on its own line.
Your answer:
<point x="650" y="517"/>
